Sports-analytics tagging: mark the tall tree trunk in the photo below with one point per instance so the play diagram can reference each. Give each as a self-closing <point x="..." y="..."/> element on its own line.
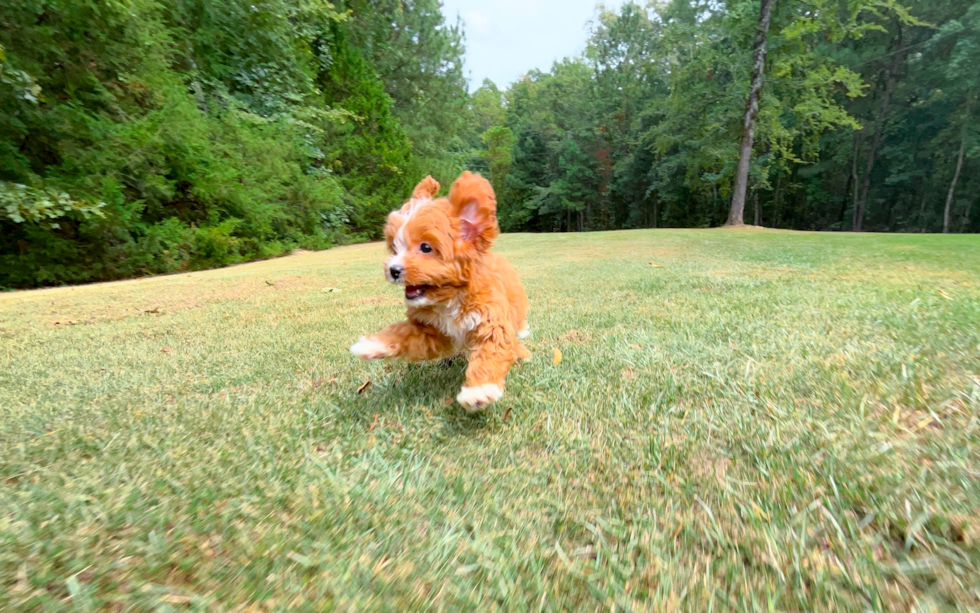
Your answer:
<point x="857" y="224"/>
<point x="604" y="209"/>
<point x="852" y="180"/>
<point x="855" y="178"/>
<point x="843" y="202"/>
<point x="922" y="208"/>
<point x="952" y="186"/>
<point x="755" y="197"/>
<point x="735" y="216"/>
<point x="714" y="202"/>
<point x="775" y="201"/>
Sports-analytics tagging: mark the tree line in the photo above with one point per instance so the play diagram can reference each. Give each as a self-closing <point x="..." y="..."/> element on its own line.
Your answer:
<point x="866" y="119"/>
<point x="151" y="136"/>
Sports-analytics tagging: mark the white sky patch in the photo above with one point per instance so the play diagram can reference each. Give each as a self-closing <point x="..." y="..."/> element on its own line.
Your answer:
<point x="477" y="23"/>
<point x="507" y="38"/>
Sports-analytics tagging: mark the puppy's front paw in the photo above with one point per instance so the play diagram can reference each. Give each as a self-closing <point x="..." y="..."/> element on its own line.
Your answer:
<point x="370" y="349"/>
<point x="477" y="398"/>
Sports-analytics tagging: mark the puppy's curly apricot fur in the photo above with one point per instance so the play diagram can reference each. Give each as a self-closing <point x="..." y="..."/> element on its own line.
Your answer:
<point x="460" y="297"/>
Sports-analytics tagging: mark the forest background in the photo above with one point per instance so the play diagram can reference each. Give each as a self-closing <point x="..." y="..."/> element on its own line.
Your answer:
<point x="151" y="136"/>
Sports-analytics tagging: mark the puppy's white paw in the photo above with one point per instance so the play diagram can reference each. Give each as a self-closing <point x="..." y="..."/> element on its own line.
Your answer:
<point x="477" y="398"/>
<point x="369" y="349"/>
<point x="523" y="334"/>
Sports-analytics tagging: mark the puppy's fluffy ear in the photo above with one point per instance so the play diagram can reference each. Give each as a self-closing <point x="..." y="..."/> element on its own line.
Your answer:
<point x="426" y="189"/>
<point x="475" y="206"/>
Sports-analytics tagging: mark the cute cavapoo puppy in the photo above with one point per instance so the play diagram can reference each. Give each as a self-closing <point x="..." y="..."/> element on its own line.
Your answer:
<point x="461" y="298"/>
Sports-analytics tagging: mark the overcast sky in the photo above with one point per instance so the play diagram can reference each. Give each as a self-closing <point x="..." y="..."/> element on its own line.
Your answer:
<point x="507" y="38"/>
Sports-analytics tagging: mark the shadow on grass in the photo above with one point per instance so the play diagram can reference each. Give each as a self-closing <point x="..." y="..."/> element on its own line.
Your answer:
<point x="433" y="385"/>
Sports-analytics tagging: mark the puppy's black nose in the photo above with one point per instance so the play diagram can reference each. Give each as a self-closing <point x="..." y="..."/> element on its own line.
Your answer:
<point x="396" y="272"/>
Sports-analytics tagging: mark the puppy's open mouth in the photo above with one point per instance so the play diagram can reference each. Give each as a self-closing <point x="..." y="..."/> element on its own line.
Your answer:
<point x="414" y="292"/>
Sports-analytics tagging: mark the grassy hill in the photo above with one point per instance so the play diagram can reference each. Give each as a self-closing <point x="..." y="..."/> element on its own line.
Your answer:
<point x="749" y="420"/>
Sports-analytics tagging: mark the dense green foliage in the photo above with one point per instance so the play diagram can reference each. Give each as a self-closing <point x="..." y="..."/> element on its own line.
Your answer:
<point x="148" y="136"/>
<point x="867" y="104"/>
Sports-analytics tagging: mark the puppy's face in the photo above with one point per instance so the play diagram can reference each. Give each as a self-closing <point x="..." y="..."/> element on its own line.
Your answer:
<point x="434" y="243"/>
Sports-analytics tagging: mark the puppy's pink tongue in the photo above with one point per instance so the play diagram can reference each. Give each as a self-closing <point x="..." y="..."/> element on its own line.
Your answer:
<point x="414" y="291"/>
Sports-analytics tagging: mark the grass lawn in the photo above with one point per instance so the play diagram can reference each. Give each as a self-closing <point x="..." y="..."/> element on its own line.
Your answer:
<point x="741" y="420"/>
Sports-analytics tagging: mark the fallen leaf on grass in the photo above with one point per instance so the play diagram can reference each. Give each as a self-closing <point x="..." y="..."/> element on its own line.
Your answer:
<point x="945" y="295"/>
<point x="922" y="424"/>
<point x="556" y="357"/>
<point x="374" y="423"/>
<point x="383" y="563"/>
<point x="267" y="282"/>
<point x="363" y="387"/>
<point x="165" y="350"/>
<point x="587" y="551"/>
<point x="330" y="290"/>
<point x="635" y="346"/>
<point x="507" y="413"/>
<point x="152" y="311"/>
<point x="300" y="559"/>
<point x="66" y="322"/>
<point x="655" y="265"/>
<point x="74" y="587"/>
<point x="22" y="584"/>
<point x="316" y="384"/>
<point x="175" y="599"/>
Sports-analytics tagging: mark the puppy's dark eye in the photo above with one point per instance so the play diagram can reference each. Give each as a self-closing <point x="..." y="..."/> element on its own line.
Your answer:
<point x="425" y="248"/>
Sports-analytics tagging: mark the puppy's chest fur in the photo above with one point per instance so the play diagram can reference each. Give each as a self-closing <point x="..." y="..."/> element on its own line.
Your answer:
<point x="451" y="320"/>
